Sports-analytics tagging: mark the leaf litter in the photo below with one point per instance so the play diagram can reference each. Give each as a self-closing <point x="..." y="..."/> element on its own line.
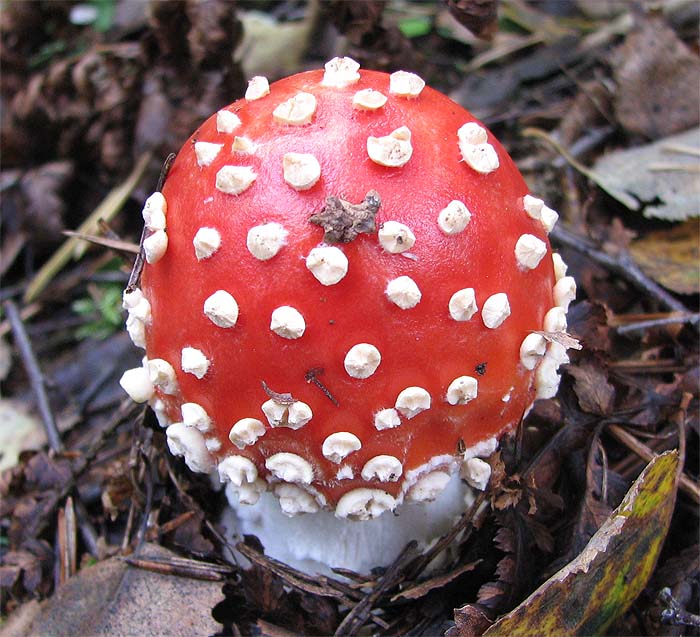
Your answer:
<point x="135" y="88"/>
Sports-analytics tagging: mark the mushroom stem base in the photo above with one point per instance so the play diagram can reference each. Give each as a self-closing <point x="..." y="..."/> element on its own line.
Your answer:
<point x="316" y="542"/>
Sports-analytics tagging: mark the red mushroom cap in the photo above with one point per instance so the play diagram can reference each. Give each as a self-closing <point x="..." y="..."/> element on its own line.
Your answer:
<point x="344" y="283"/>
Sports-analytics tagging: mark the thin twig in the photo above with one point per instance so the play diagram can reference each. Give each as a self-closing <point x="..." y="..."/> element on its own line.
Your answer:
<point x="621" y="264"/>
<point x="691" y="318"/>
<point x="464" y="522"/>
<point x="622" y="196"/>
<point x="36" y="377"/>
<point x="191" y="503"/>
<point x="586" y="143"/>
<point x="685" y="484"/>
<point x="360" y="613"/>
<point x="27" y="312"/>
<point x="114" y="244"/>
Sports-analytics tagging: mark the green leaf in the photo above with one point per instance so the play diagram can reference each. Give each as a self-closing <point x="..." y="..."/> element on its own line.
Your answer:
<point x="416" y="27"/>
<point x="105" y="15"/>
<point x="591" y="592"/>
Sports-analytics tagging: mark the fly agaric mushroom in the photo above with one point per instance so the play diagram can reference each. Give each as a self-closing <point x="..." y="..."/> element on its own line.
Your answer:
<point x="345" y="303"/>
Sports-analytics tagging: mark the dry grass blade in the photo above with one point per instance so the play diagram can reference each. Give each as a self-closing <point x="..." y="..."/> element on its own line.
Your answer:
<point x="114" y="244"/>
<point x="74" y="247"/>
<point x="67" y="541"/>
<point x="624" y="198"/>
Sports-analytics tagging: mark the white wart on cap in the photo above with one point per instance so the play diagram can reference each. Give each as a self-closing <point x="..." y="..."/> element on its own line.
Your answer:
<point x="392" y="150"/>
<point x="328" y="264"/>
<point x="221" y="309"/>
<point x="403" y="292"/>
<point x="362" y="360"/>
<point x="412" y="401"/>
<point x="266" y="240"/>
<point x="287" y="322"/>
<point x="496" y="310"/>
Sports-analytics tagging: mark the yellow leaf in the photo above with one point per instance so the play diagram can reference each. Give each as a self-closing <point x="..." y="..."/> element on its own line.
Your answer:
<point x="591" y="592"/>
<point x="671" y="257"/>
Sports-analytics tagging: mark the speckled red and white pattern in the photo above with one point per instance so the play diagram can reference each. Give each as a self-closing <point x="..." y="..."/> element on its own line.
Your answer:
<point x="409" y="402"/>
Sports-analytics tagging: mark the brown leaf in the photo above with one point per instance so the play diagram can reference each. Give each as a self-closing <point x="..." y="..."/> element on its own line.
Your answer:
<point x="440" y="581"/>
<point x="671" y="257"/>
<point x="594" y="392"/>
<point x="214" y="32"/>
<point x="28" y="564"/>
<point x="589" y="322"/>
<point x="356" y="20"/>
<point x="491" y="594"/>
<point x="43" y="202"/>
<point x="45" y="472"/>
<point x="322" y="614"/>
<point x="504" y="540"/>
<point x="593" y="510"/>
<point x="470" y="621"/>
<point x="169" y="25"/>
<point x="658" y="81"/>
<point x="190" y="534"/>
<point x="589" y="109"/>
<point x="541" y="534"/>
<point x="479" y="16"/>
<point x="506" y="499"/>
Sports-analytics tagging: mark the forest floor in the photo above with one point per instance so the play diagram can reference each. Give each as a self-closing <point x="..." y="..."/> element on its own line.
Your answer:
<point x="103" y="532"/>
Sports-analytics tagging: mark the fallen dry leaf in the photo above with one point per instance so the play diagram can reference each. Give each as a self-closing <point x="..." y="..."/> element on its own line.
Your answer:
<point x="658" y="81"/>
<point x="272" y="48"/>
<point x="112" y="598"/>
<point x="19" y="430"/>
<point x="663" y="180"/>
<point x="594" y="392"/>
<point x="671" y="257"/>
<point x="590" y="592"/>
<point x="479" y="16"/>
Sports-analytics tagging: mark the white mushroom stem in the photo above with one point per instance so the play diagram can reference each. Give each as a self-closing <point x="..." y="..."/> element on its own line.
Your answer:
<point x="292" y="527"/>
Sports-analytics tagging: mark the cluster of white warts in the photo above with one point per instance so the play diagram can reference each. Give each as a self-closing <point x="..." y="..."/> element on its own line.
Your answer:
<point x="329" y="265"/>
